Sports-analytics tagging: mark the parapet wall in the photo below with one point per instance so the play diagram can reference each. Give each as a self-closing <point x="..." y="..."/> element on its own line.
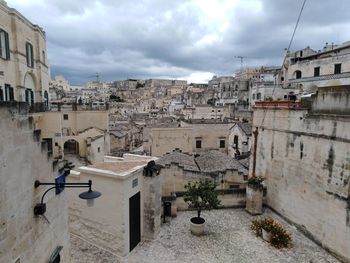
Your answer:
<point x="22" y="161"/>
<point x="306" y="160"/>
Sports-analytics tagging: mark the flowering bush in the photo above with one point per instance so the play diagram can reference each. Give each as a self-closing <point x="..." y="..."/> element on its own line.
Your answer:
<point x="279" y="236"/>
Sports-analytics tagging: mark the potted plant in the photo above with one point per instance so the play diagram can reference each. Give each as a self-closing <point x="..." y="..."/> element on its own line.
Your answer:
<point x="272" y="232"/>
<point x="200" y="195"/>
<point x="254" y="195"/>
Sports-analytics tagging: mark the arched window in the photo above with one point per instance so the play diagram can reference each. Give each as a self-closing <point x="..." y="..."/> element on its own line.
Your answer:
<point x="298" y="74"/>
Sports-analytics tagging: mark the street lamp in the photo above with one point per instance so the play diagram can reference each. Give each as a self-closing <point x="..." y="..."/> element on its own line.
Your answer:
<point x="89" y="195"/>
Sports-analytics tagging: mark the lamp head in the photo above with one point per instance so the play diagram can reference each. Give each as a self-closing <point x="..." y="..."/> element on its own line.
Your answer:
<point x="90" y="196"/>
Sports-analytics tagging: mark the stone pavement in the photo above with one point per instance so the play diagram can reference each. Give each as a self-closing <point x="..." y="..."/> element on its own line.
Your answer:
<point x="228" y="238"/>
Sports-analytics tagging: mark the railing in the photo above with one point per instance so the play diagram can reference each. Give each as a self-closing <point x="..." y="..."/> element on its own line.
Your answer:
<point x="279" y="104"/>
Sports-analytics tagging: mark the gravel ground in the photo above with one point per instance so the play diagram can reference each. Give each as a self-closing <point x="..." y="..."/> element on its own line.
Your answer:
<point x="227" y="238"/>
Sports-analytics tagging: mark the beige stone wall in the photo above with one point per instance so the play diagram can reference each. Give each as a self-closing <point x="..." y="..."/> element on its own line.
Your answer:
<point x="174" y="178"/>
<point x="211" y="134"/>
<point x="163" y="140"/>
<point x="306" y="161"/>
<point x="20" y="31"/>
<point x="21" y="163"/>
<point x="53" y="125"/>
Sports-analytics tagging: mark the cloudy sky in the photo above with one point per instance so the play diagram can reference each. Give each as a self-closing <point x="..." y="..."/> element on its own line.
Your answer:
<point x="188" y="39"/>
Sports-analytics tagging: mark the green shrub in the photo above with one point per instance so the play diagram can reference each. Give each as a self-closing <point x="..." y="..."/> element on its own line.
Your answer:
<point x="279" y="236"/>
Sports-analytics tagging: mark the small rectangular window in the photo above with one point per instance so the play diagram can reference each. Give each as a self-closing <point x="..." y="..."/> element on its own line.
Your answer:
<point x="337" y="68"/>
<point x="44" y="57"/>
<point x="1" y="94"/>
<point x="65" y="116"/>
<point x="198" y="144"/>
<point x="98" y="149"/>
<point x="29" y="55"/>
<point x="316" y="71"/>
<point x="222" y="143"/>
<point x="135" y="182"/>
<point x="4" y="45"/>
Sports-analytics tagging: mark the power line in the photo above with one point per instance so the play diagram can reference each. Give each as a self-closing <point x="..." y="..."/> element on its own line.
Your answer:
<point x="289" y="45"/>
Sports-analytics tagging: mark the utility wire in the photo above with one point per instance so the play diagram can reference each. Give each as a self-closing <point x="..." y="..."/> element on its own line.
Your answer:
<point x="289" y="45"/>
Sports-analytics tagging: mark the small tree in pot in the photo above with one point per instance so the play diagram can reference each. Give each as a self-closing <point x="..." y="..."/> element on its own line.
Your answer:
<point x="200" y="195"/>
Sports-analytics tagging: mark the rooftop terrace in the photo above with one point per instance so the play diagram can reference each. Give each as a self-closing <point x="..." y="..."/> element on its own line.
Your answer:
<point x="228" y="238"/>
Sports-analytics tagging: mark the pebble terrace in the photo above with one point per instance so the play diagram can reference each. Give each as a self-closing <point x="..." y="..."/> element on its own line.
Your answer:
<point x="228" y="238"/>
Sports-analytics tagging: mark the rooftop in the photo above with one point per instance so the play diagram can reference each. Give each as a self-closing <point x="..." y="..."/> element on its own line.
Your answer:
<point x="215" y="161"/>
<point x="227" y="238"/>
<point x="184" y="160"/>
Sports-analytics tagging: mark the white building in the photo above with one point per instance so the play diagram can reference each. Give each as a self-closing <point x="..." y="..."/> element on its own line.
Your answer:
<point x="308" y="69"/>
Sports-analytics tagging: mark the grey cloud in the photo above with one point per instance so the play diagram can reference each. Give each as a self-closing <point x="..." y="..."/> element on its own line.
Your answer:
<point x="152" y="38"/>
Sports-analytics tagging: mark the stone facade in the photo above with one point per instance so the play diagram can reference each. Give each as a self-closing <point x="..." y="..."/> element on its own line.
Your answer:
<point x="63" y="129"/>
<point x="308" y="69"/>
<point x="24" y="236"/>
<point x="29" y="80"/>
<point x="304" y="155"/>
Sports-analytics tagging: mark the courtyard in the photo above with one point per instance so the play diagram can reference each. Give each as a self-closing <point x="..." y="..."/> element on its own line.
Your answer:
<point x="228" y="238"/>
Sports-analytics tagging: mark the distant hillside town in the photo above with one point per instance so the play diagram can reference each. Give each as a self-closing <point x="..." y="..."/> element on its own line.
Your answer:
<point x="139" y="142"/>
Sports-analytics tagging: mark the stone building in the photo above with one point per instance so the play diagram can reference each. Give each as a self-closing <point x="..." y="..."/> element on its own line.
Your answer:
<point x="240" y="139"/>
<point x="193" y="136"/>
<point x="179" y="168"/>
<point x="206" y="111"/>
<point x="81" y="133"/>
<point x="129" y="209"/>
<point x="304" y="155"/>
<point x="24" y="68"/>
<point x="308" y="69"/>
<point x="25" y="237"/>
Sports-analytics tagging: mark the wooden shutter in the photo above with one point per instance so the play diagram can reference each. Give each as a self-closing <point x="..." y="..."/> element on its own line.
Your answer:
<point x="31" y="97"/>
<point x="12" y="97"/>
<point x="31" y="56"/>
<point x="7" y="45"/>
<point x="27" y="53"/>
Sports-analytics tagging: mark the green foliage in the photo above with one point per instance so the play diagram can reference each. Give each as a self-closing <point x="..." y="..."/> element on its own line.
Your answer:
<point x="201" y="195"/>
<point x="269" y="98"/>
<point x="255" y="180"/>
<point x="115" y="98"/>
<point x="279" y="238"/>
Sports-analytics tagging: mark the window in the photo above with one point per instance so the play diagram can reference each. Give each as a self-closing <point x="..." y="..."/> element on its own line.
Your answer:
<point x="1" y="94"/>
<point x="222" y="143"/>
<point x="316" y="71"/>
<point x="65" y="116"/>
<point x="254" y="96"/>
<point x="98" y="149"/>
<point x="4" y="45"/>
<point x="29" y="55"/>
<point x="44" y="57"/>
<point x="219" y="110"/>
<point x="9" y="95"/>
<point x="337" y="68"/>
<point x="198" y="144"/>
<point x="258" y="96"/>
<point x="298" y="74"/>
<point x="29" y="96"/>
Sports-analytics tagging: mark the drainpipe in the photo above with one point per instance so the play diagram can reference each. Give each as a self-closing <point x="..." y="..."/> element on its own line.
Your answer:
<point x="255" y="133"/>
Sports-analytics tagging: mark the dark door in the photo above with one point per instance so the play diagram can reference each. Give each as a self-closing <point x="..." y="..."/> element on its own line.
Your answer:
<point x="134" y="220"/>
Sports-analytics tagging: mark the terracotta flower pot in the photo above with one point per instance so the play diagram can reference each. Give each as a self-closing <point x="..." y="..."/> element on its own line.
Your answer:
<point x="197" y="226"/>
<point x="266" y="235"/>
